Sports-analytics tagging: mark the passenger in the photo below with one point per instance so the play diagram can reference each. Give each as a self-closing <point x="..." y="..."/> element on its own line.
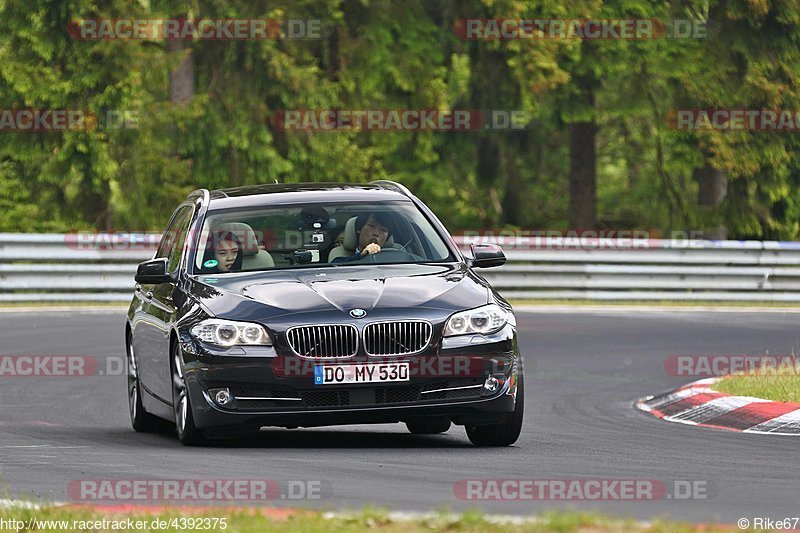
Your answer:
<point x="223" y="253"/>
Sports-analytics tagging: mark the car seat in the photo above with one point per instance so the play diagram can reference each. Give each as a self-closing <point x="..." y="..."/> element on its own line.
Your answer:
<point x="253" y="256"/>
<point x="348" y="247"/>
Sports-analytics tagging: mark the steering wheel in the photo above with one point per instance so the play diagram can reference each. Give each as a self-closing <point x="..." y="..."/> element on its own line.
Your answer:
<point x="394" y="256"/>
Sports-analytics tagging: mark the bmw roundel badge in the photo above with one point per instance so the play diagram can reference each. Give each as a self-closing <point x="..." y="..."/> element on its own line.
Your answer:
<point x="358" y="313"/>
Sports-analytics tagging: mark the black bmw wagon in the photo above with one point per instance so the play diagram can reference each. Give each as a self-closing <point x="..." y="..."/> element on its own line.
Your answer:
<point x="319" y="304"/>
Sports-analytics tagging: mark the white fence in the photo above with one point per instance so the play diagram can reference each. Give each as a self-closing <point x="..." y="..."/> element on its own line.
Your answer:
<point x="648" y="269"/>
<point x="100" y="267"/>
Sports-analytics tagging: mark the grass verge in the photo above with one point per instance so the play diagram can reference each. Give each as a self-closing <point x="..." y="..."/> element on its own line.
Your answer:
<point x="259" y="519"/>
<point x="781" y="384"/>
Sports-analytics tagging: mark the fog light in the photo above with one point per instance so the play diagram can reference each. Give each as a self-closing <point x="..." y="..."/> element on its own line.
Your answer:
<point x="491" y="384"/>
<point x="222" y="397"/>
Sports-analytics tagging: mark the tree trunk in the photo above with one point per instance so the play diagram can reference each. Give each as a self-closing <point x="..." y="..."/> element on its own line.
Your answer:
<point x="494" y="153"/>
<point x="711" y="191"/>
<point x="514" y="197"/>
<point x="93" y="203"/>
<point x="488" y="167"/>
<point x="713" y="185"/>
<point x="583" y="147"/>
<point x="181" y="80"/>
<point x="582" y="175"/>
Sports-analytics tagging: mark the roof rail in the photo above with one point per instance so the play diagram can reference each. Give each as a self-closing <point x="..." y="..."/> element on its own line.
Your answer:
<point x="392" y="186"/>
<point x="200" y="193"/>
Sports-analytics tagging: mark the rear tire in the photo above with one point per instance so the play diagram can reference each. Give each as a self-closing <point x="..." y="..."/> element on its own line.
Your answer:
<point x="505" y="433"/>
<point x="188" y="433"/>
<point x="141" y="420"/>
<point x="429" y="426"/>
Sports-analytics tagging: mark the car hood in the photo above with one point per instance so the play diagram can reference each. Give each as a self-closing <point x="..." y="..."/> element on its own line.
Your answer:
<point x="274" y="293"/>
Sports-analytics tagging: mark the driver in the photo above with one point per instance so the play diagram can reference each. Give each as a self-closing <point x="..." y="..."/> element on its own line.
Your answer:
<point x="372" y="229"/>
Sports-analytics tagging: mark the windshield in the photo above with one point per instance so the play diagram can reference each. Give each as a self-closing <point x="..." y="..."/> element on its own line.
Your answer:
<point x="316" y="235"/>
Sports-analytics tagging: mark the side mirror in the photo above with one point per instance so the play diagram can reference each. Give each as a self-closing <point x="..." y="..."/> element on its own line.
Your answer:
<point x="153" y="272"/>
<point x="486" y="256"/>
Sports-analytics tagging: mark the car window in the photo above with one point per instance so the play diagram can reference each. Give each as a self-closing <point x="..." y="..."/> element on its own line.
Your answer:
<point x="296" y="236"/>
<point x="174" y="236"/>
<point x="181" y="227"/>
<point x="167" y="237"/>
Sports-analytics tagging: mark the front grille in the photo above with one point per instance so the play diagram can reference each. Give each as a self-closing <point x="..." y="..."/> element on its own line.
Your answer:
<point x="256" y="399"/>
<point x="258" y="405"/>
<point x="396" y="338"/>
<point x="257" y="392"/>
<point x="456" y="389"/>
<point x="406" y="394"/>
<point x="327" y="341"/>
<point x="326" y="398"/>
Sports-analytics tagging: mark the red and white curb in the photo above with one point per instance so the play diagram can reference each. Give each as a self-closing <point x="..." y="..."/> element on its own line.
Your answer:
<point x="697" y="405"/>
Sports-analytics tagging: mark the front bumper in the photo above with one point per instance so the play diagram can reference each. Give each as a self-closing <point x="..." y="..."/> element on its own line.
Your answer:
<point x="280" y="391"/>
<point x="474" y="412"/>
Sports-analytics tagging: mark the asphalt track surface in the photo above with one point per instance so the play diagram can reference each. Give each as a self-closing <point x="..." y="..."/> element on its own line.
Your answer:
<point x="583" y="373"/>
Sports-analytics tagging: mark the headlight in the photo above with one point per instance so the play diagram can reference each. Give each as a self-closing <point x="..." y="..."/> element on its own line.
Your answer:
<point x="228" y="333"/>
<point x="482" y="320"/>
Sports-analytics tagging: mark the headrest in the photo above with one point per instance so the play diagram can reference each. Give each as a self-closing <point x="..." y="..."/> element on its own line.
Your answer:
<point x="351" y="236"/>
<point x="245" y="234"/>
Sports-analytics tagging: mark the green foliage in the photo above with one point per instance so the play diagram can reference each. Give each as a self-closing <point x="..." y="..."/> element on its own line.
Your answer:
<point x="384" y="54"/>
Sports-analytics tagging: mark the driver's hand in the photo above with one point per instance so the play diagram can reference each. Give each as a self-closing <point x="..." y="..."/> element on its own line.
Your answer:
<point x="371" y="248"/>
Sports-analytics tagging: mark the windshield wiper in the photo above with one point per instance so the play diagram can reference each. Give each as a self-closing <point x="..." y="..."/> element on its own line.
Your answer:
<point x="314" y="265"/>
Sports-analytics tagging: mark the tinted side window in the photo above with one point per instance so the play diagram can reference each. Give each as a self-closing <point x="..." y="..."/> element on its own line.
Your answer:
<point x="179" y="237"/>
<point x="176" y="231"/>
<point x="167" y="238"/>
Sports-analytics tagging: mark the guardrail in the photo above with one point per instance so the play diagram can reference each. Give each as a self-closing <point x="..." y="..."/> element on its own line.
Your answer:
<point x="100" y="267"/>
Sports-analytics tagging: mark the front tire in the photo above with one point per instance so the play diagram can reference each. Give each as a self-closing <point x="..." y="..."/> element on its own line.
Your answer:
<point x="188" y="433"/>
<point x="505" y="433"/>
<point x="141" y="420"/>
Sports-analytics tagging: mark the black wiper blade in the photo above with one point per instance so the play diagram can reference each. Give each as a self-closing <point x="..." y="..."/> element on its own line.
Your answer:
<point x="317" y="265"/>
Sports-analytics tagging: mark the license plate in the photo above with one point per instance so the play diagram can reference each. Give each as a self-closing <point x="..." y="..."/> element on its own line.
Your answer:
<point x="364" y="373"/>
